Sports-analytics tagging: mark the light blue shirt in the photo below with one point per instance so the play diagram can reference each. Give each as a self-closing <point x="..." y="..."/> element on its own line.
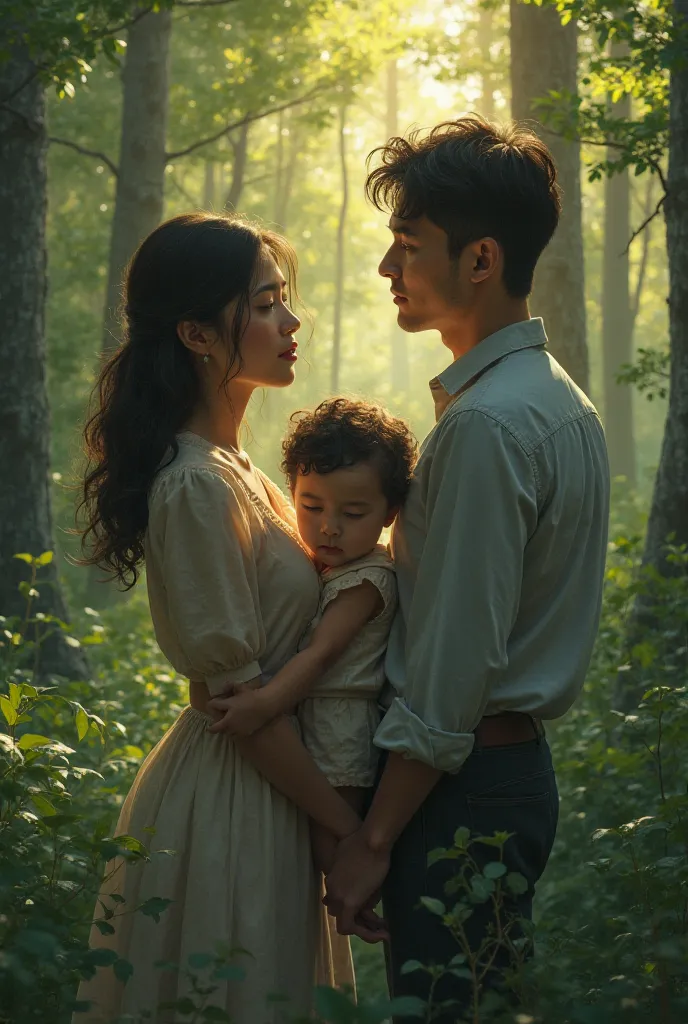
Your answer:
<point x="499" y="551"/>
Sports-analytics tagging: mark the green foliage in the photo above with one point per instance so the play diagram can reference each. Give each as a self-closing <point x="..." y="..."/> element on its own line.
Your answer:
<point x="649" y="373"/>
<point x="612" y="931"/>
<point x="63" y="37"/>
<point x="648" y="43"/>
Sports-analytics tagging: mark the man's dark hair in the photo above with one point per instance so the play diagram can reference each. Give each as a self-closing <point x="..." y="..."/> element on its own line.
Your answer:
<point x="475" y="179"/>
<point x="342" y="432"/>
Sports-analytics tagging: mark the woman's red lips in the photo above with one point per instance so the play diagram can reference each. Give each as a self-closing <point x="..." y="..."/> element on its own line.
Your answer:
<point x="289" y="354"/>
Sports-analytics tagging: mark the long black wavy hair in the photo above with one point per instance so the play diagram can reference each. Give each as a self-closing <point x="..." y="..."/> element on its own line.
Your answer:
<point x="189" y="268"/>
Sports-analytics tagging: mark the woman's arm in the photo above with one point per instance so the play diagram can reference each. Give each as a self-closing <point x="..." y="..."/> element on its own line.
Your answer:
<point x="279" y="755"/>
<point x="344" y="617"/>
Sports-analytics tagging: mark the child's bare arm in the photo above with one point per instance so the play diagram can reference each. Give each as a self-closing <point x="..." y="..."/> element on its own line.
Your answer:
<point x="323" y="842"/>
<point x="342" y="619"/>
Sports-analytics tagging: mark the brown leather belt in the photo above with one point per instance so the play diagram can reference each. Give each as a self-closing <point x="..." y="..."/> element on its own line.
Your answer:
<point x="507" y="727"/>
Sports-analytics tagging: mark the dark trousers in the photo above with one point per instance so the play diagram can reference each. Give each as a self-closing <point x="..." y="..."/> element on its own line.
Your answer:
<point x="511" y="789"/>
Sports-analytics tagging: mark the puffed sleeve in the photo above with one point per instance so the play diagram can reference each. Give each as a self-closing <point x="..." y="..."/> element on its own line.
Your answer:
<point x="203" y="538"/>
<point x="383" y="579"/>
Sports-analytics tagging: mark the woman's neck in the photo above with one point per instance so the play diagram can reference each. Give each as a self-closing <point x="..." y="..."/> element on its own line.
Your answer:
<point x="219" y="416"/>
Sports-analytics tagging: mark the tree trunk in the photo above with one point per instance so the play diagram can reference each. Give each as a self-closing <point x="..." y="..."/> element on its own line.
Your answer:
<point x="285" y="183"/>
<point x="25" y="500"/>
<point x="398" y="340"/>
<point x="240" y="152"/>
<point x="141" y="177"/>
<point x="485" y="34"/>
<point x="209" y="189"/>
<point x="544" y="57"/>
<point x="339" y="259"/>
<point x="617" y="321"/>
<point x="669" y="513"/>
<point x="669" y="510"/>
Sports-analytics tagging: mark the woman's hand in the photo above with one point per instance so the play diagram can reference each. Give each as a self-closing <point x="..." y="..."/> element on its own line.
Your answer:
<point x="245" y="712"/>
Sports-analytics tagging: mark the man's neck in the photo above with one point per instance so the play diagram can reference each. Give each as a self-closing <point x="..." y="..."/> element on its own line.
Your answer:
<point x="474" y="327"/>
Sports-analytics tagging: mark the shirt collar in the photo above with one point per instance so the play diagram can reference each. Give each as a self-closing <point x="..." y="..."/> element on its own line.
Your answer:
<point x="526" y="334"/>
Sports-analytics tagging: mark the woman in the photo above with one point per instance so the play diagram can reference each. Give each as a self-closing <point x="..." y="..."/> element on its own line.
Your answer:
<point x="231" y="591"/>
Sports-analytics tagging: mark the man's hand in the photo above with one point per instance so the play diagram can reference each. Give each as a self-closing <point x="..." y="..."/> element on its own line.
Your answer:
<point x="245" y="712"/>
<point x="353" y="887"/>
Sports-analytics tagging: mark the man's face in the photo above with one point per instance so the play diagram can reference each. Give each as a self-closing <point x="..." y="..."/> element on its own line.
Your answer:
<point x="426" y="283"/>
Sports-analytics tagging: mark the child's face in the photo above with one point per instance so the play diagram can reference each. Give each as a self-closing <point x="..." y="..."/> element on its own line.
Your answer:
<point x="341" y="514"/>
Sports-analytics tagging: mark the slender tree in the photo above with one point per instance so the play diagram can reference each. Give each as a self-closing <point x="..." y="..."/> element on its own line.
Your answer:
<point x="544" y="59"/>
<point x="239" y="143"/>
<point x="209" y="185"/>
<point x="398" y="340"/>
<point x="141" y="172"/>
<point x="340" y="256"/>
<point x="617" y="314"/>
<point x="669" y="511"/>
<point x="487" y="79"/>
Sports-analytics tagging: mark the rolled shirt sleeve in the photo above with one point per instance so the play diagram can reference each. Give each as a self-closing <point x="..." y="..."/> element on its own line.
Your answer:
<point x="481" y="509"/>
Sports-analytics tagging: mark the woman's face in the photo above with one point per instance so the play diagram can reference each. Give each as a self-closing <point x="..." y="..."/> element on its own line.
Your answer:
<point x="268" y="346"/>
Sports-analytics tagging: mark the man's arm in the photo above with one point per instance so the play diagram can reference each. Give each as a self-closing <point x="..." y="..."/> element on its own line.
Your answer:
<point x="481" y="511"/>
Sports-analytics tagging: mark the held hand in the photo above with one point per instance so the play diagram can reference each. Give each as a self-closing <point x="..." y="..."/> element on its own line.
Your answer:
<point x="353" y="886"/>
<point x="245" y="713"/>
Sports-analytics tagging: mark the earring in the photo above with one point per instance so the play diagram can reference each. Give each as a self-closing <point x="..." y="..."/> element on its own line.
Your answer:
<point x="206" y="358"/>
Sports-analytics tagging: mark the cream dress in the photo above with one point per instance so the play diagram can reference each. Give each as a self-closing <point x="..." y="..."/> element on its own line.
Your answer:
<point x="231" y="592"/>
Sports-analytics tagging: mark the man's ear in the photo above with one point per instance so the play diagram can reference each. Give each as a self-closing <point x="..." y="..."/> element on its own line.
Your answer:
<point x="194" y="337"/>
<point x="485" y="257"/>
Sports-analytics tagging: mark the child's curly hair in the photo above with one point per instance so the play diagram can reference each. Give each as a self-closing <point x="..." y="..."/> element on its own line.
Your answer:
<point x="341" y="432"/>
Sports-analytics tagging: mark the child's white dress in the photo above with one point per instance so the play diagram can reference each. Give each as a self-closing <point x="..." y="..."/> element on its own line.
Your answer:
<point x="339" y="721"/>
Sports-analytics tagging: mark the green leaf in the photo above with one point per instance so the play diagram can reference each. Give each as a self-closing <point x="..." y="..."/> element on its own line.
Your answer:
<point x="214" y="1013"/>
<point x="45" y="559"/>
<point x="517" y="883"/>
<point x="81" y="723"/>
<point x="433" y="905"/>
<point x="154" y="907"/>
<point x="25" y="558"/>
<point x="495" y="869"/>
<point x="197" y="961"/>
<point x="412" y="965"/>
<point x="462" y="837"/>
<point x="8" y="711"/>
<point x="332" y="1004"/>
<point x="30" y="740"/>
<point x="101" y="957"/>
<point x="123" y="970"/>
<point x="104" y="928"/>
<point x="15" y="695"/>
<point x="42" y="805"/>
<point x="461" y="972"/>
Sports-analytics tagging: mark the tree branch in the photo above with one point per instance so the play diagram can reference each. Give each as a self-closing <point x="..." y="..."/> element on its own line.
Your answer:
<point x="87" y="152"/>
<point x="648" y="220"/>
<point x="640" y="280"/>
<point x="616" y="145"/>
<point x="27" y="81"/>
<point x="239" y="124"/>
<point x="33" y="126"/>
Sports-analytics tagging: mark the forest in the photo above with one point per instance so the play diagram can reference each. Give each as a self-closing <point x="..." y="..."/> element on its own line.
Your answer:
<point x="117" y="114"/>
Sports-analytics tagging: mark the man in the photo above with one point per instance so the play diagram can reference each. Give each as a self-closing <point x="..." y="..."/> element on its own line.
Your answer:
<point x="499" y="550"/>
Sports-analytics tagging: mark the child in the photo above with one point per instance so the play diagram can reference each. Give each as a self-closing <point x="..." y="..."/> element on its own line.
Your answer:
<point x="349" y="465"/>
